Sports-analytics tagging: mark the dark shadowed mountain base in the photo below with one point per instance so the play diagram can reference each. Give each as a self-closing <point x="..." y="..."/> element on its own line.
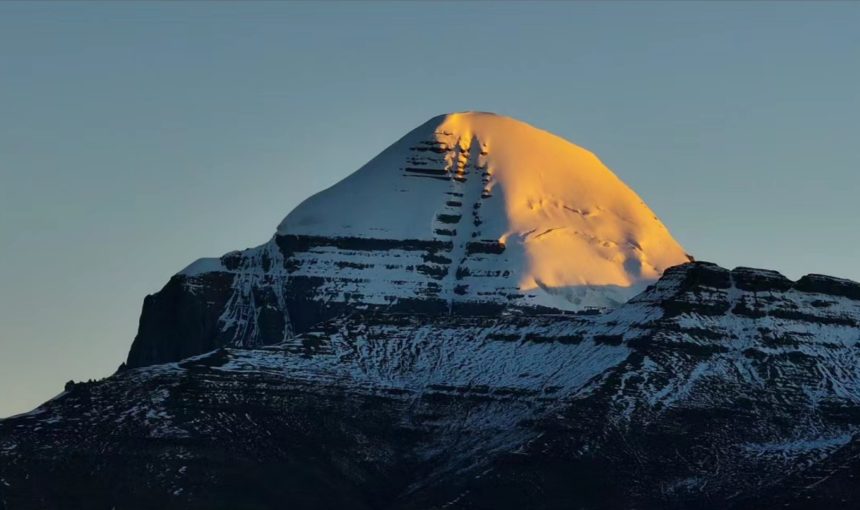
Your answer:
<point x="713" y="389"/>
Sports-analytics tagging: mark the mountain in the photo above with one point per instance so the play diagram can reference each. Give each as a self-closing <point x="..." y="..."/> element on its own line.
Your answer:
<point x="481" y="317"/>
<point x="711" y="389"/>
<point x="470" y="213"/>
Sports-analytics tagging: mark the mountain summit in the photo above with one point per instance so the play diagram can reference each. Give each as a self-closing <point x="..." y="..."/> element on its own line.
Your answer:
<point x="470" y="213"/>
<point x="562" y="223"/>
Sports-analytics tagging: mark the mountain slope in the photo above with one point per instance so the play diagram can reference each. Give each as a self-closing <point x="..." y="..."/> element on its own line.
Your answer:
<point x="468" y="213"/>
<point x="711" y="389"/>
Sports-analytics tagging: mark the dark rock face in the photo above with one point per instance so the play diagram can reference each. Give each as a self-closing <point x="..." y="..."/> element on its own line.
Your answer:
<point x="829" y="285"/>
<point x="713" y="389"/>
<point x="176" y="323"/>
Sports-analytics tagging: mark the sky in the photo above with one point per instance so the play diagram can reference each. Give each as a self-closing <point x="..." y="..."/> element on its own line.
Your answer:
<point x="138" y="137"/>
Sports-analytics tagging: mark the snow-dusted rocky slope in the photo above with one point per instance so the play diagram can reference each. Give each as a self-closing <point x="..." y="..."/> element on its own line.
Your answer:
<point x="468" y="213"/>
<point x="712" y="389"/>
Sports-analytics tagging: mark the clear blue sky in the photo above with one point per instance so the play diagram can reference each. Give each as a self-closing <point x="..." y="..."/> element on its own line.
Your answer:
<point x="135" y="138"/>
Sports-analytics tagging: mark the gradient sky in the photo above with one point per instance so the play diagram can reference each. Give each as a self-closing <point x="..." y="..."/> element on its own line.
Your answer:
<point x="135" y="138"/>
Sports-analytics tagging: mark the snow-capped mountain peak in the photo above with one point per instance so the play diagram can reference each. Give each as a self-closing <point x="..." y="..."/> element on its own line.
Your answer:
<point x="398" y="344"/>
<point x="568" y="231"/>
<point x="470" y="213"/>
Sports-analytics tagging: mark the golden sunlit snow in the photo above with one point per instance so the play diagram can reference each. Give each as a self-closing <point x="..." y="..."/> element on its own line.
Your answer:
<point x="574" y="234"/>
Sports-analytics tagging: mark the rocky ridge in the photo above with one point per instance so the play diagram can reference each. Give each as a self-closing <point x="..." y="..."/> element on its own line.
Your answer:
<point x="713" y="388"/>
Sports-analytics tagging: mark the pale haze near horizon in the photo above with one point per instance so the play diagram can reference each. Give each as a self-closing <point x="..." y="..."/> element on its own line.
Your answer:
<point x="135" y="138"/>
